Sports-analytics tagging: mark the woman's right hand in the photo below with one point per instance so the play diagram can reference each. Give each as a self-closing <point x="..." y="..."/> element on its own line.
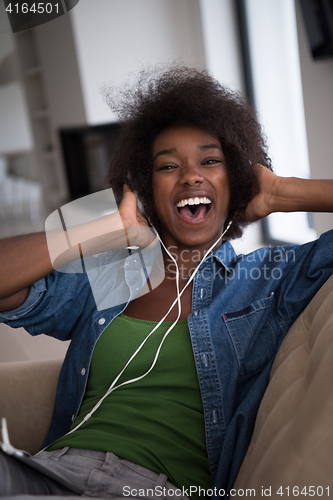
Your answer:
<point x="136" y="225"/>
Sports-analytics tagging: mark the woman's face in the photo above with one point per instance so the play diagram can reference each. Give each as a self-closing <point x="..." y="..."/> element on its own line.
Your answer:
<point x="190" y="186"/>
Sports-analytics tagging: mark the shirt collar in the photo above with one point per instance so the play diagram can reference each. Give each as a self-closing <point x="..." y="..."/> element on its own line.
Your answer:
<point x="226" y="255"/>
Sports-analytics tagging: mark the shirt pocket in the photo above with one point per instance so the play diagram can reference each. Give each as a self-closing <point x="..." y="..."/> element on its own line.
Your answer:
<point x="253" y="333"/>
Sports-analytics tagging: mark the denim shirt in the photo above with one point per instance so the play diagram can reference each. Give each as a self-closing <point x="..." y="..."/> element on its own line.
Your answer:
<point x="242" y="307"/>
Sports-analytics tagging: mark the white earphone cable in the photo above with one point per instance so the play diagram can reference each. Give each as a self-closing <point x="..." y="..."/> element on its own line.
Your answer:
<point x="113" y="387"/>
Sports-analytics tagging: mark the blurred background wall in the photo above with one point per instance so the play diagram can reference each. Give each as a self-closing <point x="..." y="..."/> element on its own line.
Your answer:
<point x="51" y="78"/>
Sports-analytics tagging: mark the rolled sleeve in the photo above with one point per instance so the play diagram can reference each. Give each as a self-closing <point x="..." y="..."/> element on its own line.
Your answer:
<point x="35" y="296"/>
<point x="59" y="305"/>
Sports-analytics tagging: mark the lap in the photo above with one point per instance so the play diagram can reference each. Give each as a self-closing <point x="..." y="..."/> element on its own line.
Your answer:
<point x="95" y="474"/>
<point x="18" y="478"/>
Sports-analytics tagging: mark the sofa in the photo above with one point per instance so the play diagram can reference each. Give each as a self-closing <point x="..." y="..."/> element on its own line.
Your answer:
<point x="291" y="451"/>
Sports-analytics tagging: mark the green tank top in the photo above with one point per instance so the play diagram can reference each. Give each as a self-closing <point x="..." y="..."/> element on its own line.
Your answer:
<point x="156" y="422"/>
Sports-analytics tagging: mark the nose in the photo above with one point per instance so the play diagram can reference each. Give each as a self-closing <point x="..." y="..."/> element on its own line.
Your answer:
<point x="190" y="174"/>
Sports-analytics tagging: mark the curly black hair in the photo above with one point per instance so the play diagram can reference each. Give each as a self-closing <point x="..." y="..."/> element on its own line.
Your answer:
<point x="183" y="96"/>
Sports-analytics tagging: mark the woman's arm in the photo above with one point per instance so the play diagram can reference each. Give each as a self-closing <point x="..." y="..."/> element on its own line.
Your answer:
<point x="288" y="194"/>
<point x="26" y="259"/>
<point x="23" y="260"/>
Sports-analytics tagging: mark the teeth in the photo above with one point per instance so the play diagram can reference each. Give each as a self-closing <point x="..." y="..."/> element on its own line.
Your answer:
<point x="194" y="201"/>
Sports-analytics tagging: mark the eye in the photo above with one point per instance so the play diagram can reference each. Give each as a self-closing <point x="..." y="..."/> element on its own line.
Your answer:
<point x="167" y="167"/>
<point x="211" y="161"/>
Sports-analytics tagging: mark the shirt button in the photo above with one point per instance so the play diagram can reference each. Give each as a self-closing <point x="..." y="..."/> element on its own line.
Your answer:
<point x="101" y="321"/>
<point x="83" y="371"/>
<point x="205" y="359"/>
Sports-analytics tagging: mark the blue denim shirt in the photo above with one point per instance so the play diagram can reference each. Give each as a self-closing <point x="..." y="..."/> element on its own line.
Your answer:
<point x="242" y="307"/>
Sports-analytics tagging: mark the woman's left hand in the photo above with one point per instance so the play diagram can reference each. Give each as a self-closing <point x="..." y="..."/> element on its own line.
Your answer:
<point x="262" y="204"/>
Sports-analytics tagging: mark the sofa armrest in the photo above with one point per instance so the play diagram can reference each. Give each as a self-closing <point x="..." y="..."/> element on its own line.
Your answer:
<point x="27" y="395"/>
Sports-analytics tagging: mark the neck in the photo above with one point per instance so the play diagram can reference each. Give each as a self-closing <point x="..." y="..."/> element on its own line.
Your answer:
<point x="187" y="258"/>
<point x="185" y="268"/>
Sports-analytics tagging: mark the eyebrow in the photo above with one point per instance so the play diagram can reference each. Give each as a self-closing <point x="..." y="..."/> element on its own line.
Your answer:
<point x="209" y="146"/>
<point x="174" y="150"/>
<point x="165" y="152"/>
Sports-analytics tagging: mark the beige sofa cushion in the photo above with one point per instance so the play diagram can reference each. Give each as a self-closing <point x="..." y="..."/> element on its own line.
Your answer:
<point x="292" y="443"/>
<point x="27" y="395"/>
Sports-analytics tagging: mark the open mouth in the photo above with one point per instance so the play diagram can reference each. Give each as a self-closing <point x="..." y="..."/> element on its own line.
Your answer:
<point x="194" y="209"/>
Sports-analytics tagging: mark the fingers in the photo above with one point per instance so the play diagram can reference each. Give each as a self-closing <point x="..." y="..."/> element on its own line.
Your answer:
<point x="130" y="202"/>
<point x="128" y="208"/>
<point x="258" y="166"/>
<point x="128" y="195"/>
<point x="126" y="188"/>
<point x="135" y="224"/>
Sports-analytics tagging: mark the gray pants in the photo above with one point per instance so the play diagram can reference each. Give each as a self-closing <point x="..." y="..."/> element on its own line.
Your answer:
<point x="94" y="473"/>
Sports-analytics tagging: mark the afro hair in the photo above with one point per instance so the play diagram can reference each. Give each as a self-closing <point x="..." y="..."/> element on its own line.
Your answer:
<point x="183" y="96"/>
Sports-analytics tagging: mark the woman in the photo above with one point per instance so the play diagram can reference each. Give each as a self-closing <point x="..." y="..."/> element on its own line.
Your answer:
<point x="194" y="155"/>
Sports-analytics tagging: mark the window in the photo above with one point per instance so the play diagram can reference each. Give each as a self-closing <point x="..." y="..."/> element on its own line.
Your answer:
<point x="273" y="80"/>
